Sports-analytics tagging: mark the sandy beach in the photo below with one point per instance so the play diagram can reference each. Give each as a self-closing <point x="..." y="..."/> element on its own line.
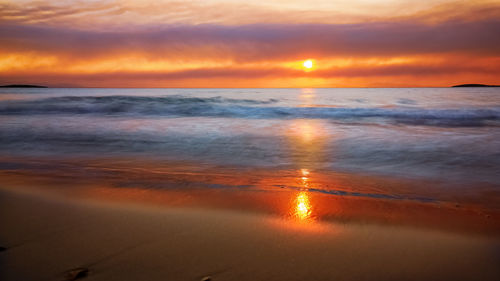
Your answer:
<point x="230" y="140"/>
<point x="46" y="235"/>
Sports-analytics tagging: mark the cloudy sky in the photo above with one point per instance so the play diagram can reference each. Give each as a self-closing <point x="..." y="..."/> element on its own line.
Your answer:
<point x="233" y="43"/>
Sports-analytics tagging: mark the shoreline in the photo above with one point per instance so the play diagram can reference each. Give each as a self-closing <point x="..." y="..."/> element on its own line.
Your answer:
<point x="331" y="197"/>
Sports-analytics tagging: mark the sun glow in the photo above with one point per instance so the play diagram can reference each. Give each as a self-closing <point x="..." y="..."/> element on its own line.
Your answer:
<point x="308" y="64"/>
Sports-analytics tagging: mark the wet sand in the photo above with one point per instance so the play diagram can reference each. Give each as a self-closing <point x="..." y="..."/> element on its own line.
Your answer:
<point x="150" y="220"/>
<point x="46" y="234"/>
<point x="326" y="195"/>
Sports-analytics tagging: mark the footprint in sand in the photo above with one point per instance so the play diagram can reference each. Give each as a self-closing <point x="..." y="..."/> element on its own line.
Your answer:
<point x="76" y="273"/>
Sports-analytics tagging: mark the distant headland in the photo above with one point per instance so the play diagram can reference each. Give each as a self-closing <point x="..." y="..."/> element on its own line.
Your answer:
<point x="22" y="86"/>
<point x="474" y="85"/>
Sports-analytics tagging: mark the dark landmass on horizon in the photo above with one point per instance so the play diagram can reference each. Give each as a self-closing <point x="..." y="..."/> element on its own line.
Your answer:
<point x="22" y="86"/>
<point x="474" y="85"/>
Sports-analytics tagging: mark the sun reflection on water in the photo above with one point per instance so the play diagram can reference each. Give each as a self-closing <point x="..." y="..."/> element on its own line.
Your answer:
<point x="304" y="172"/>
<point x="306" y="96"/>
<point x="304" y="178"/>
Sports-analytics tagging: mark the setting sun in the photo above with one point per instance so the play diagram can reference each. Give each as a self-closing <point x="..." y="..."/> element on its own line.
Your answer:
<point x="308" y="64"/>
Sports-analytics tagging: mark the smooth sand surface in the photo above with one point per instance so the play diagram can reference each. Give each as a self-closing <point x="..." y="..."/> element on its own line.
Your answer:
<point x="45" y="236"/>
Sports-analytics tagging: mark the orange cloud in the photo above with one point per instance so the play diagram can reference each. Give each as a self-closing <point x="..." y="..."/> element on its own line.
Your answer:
<point x="424" y="48"/>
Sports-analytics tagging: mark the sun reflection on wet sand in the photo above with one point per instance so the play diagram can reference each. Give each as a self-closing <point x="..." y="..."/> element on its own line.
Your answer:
<point x="302" y="207"/>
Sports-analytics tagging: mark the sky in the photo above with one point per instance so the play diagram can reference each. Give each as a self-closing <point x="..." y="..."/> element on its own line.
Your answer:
<point x="234" y="43"/>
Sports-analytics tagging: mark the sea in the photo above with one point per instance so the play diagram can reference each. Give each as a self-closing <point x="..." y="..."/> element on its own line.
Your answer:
<point x="447" y="136"/>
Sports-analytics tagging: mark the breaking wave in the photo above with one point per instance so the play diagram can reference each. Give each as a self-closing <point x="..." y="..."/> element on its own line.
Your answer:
<point x="180" y="106"/>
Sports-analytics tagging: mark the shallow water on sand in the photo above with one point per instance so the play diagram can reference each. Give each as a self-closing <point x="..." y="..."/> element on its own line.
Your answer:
<point x="426" y="145"/>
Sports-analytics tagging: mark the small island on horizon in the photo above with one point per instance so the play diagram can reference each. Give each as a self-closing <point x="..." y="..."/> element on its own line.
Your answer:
<point x="474" y="85"/>
<point x="22" y="86"/>
<point x="41" y="86"/>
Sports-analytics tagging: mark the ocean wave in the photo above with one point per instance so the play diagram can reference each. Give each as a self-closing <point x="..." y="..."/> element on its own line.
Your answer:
<point x="180" y="106"/>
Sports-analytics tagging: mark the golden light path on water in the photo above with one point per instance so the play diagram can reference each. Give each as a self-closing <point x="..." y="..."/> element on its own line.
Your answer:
<point x="304" y="139"/>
